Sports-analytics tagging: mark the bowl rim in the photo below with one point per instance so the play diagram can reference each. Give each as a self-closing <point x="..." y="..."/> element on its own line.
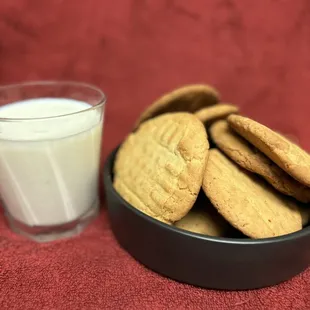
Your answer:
<point x="108" y="184"/>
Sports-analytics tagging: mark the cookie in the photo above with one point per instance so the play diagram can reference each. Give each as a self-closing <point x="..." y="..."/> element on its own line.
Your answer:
<point x="210" y="114"/>
<point x="203" y="222"/>
<point x="251" y="159"/>
<point x="189" y="98"/>
<point x="247" y="202"/>
<point x="159" y="168"/>
<point x="287" y="155"/>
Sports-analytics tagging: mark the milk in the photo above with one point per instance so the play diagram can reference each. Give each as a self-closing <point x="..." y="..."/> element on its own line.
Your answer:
<point x="49" y="167"/>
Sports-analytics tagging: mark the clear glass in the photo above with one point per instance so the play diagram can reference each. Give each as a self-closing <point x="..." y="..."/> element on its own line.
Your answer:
<point x="50" y="143"/>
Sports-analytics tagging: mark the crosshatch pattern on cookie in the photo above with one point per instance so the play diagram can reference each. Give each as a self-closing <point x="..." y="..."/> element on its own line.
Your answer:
<point x="159" y="168"/>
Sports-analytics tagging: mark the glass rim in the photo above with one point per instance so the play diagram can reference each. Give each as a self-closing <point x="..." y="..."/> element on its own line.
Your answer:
<point x="100" y="103"/>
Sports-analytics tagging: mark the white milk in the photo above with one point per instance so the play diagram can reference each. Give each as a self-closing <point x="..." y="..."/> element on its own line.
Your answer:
<point x="49" y="168"/>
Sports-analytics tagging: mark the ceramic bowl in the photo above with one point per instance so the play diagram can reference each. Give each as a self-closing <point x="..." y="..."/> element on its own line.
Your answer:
<point x="204" y="261"/>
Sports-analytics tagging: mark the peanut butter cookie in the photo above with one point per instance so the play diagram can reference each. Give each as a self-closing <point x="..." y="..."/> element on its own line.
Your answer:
<point x="250" y="158"/>
<point x="286" y="154"/>
<point x="219" y="111"/>
<point x="189" y="98"/>
<point x="246" y="201"/>
<point x="203" y="222"/>
<point x="159" y="168"/>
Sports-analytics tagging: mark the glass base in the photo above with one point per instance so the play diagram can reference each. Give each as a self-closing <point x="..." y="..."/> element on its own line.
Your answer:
<point x="55" y="232"/>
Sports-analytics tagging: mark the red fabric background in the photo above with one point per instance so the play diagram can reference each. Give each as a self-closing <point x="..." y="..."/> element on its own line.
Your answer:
<point x="255" y="52"/>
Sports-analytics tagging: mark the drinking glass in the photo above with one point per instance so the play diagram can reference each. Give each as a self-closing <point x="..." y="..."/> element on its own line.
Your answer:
<point x="50" y="143"/>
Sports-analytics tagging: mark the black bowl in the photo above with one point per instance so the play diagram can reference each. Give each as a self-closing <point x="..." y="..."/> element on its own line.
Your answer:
<point x="210" y="262"/>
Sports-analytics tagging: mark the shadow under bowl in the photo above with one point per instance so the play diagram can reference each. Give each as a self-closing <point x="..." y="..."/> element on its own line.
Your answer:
<point x="204" y="261"/>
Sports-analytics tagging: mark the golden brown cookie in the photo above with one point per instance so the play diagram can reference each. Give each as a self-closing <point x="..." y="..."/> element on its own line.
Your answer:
<point x="159" y="168"/>
<point x="189" y="98"/>
<point x="246" y="201"/>
<point x="251" y="159"/>
<point x="286" y="154"/>
<point x="219" y="111"/>
<point x="203" y="222"/>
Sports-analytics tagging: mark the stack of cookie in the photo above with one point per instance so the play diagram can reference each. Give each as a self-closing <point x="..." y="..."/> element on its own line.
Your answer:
<point x="251" y="179"/>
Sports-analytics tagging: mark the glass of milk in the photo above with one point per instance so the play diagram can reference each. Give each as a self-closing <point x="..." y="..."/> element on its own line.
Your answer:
<point x="50" y="142"/>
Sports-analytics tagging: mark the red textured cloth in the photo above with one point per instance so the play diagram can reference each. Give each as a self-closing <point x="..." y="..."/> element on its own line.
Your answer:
<point x="255" y="52"/>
